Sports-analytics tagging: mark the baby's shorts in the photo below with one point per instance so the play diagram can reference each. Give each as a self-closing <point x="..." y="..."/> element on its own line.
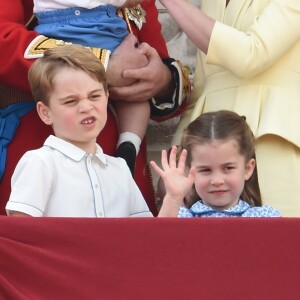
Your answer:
<point x="99" y="27"/>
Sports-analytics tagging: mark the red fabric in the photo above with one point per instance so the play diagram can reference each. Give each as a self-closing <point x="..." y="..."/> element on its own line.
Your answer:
<point x="236" y="258"/>
<point x="14" y="38"/>
<point x="151" y="30"/>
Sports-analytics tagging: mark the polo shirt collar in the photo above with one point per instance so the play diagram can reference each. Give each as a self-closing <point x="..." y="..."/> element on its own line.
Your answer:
<point x="71" y="150"/>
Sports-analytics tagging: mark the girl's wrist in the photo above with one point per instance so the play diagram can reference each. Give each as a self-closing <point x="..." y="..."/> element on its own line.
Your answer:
<point x="170" y="206"/>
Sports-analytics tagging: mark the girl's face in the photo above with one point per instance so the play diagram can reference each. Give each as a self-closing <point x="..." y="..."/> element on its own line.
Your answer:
<point x="221" y="172"/>
<point x="77" y="108"/>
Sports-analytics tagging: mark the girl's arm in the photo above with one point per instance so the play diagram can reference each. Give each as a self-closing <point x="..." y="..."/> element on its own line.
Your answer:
<point x="176" y="183"/>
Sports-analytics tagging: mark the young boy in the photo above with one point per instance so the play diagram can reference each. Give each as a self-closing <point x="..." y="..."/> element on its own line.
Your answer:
<point x="97" y="24"/>
<point x="70" y="176"/>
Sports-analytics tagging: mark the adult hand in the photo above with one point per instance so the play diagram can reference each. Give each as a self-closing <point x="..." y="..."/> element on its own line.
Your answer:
<point x="154" y="79"/>
<point x="126" y="55"/>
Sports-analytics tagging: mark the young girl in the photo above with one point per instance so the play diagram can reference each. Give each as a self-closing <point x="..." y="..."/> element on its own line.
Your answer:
<point x="97" y="24"/>
<point x="219" y="150"/>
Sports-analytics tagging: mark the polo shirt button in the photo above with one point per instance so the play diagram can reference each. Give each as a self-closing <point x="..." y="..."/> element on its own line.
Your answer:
<point x="100" y="214"/>
<point x="77" y="12"/>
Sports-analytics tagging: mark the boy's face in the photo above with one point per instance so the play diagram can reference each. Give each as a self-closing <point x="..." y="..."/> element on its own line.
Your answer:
<point x="77" y="108"/>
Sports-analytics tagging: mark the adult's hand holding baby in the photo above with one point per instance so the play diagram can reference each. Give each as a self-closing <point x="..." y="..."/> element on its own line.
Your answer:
<point x="125" y="56"/>
<point x="144" y="82"/>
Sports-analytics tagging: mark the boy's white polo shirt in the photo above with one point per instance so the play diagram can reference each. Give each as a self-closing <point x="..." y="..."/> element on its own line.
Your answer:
<point x="62" y="180"/>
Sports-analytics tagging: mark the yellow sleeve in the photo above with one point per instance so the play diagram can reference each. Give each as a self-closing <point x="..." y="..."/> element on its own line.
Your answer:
<point x="270" y="35"/>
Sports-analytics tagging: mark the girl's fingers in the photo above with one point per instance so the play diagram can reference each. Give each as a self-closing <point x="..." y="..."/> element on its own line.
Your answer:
<point x="156" y="168"/>
<point x="170" y="162"/>
<point x="164" y="160"/>
<point x="182" y="159"/>
<point x="192" y="173"/>
<point x="172" y="159"/>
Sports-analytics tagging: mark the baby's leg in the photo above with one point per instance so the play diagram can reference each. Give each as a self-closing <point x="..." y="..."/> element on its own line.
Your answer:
<point x="133" y="120"/>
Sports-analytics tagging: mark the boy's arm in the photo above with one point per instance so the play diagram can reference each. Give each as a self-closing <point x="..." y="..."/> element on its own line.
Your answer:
<point x="13" y="213"/>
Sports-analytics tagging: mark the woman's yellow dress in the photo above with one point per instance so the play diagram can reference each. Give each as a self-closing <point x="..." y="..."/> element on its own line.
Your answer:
<point x="253" y="68"/>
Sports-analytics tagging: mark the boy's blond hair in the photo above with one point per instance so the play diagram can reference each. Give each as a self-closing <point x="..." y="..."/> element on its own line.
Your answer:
<point x="44" y="69"/>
